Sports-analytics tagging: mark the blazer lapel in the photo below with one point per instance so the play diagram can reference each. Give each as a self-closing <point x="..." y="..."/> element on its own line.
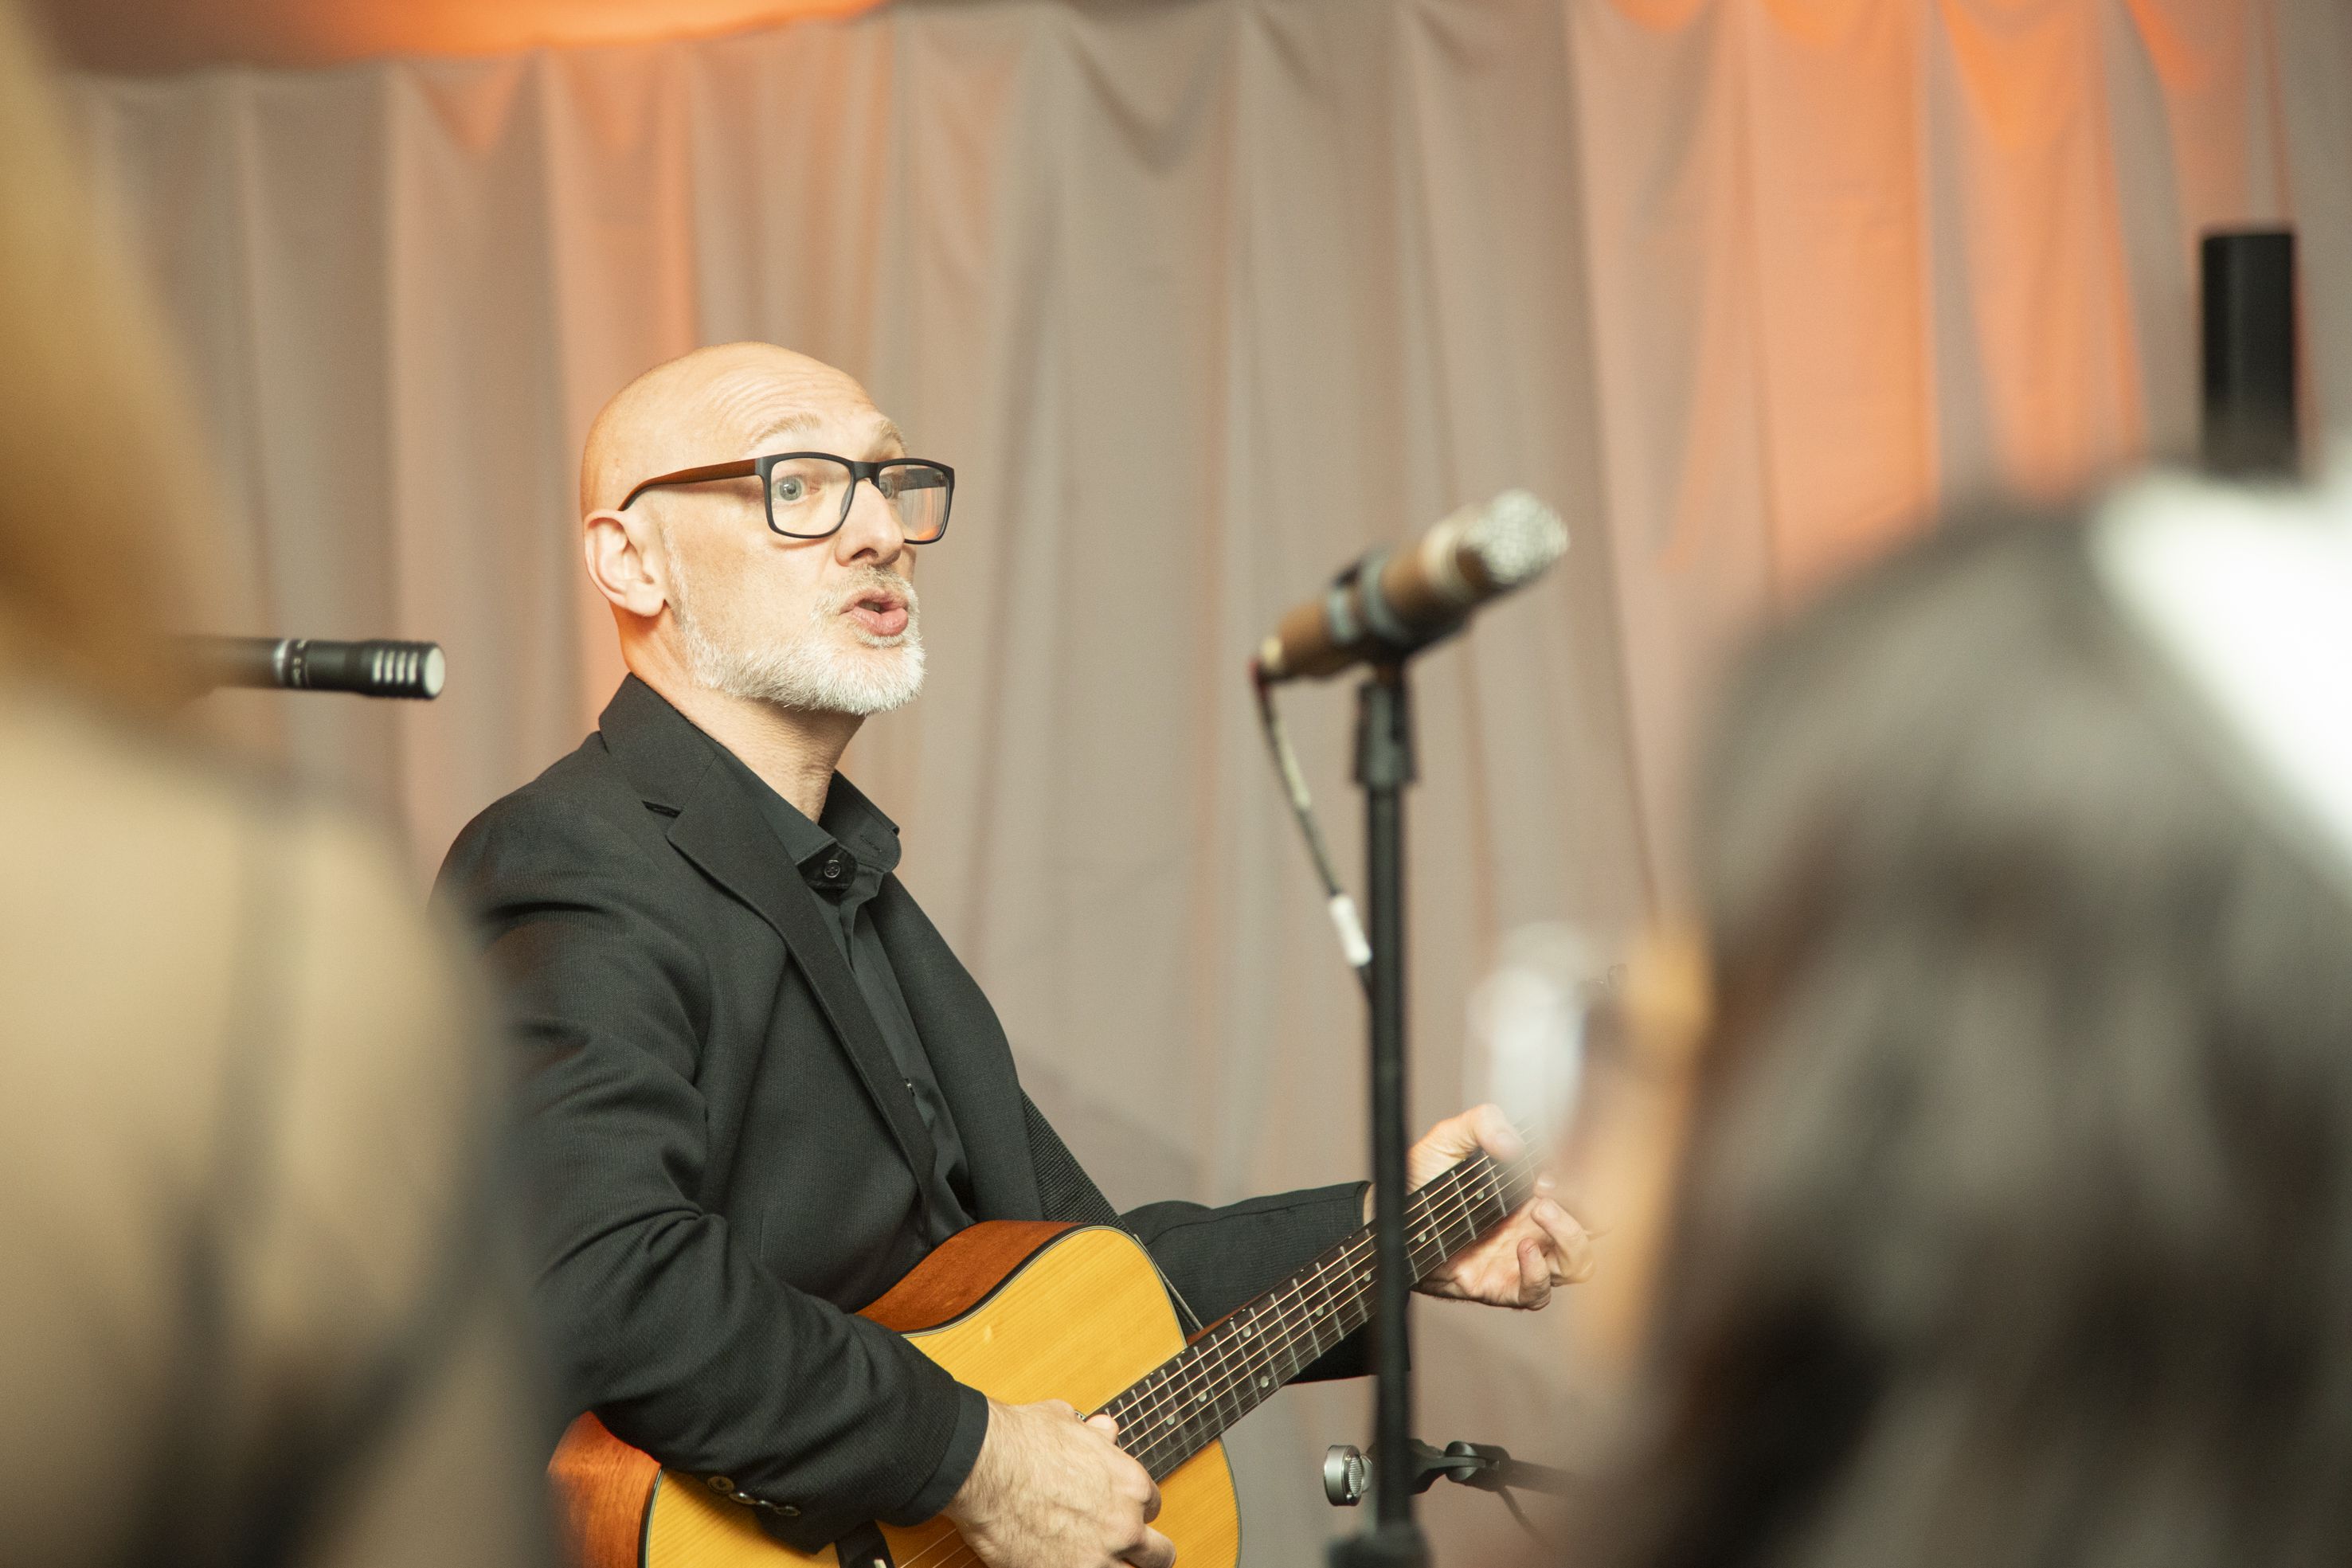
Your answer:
<point x="969" y="1054"/>
<point x="720" y="831"/>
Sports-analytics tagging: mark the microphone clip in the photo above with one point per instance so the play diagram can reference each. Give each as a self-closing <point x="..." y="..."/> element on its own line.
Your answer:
<point x="1360" y="616"/>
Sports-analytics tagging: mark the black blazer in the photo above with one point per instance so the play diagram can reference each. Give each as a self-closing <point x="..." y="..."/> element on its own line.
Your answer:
<point x="722" y="1158"/>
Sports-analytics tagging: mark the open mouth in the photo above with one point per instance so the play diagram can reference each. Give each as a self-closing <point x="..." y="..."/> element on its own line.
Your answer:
<point x="880" y="612"/>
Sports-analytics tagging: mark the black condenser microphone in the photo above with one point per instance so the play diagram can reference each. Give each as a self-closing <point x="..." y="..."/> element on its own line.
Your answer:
<point x="379" y="668"/>
<point x="1390" y="604"/>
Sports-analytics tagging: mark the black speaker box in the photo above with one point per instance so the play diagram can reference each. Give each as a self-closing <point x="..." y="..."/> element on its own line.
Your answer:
<point x="2250" y="427"/>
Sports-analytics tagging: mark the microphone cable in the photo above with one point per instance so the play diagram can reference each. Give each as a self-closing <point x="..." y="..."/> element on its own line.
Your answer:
<point x="1345" y="919"/>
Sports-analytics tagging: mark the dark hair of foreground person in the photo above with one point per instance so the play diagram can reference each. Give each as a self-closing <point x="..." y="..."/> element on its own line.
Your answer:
<point x="2016" y="1223"/>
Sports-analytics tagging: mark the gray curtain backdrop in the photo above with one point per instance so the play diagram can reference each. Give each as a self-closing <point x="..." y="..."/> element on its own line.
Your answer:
<point x="1203" y="299"/>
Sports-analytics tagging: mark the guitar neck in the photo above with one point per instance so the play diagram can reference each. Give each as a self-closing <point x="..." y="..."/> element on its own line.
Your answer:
<point x="1236" y="1365"/>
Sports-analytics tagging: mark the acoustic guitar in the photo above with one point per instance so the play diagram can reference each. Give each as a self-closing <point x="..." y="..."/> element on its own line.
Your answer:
<point x="1024" y="1312"/>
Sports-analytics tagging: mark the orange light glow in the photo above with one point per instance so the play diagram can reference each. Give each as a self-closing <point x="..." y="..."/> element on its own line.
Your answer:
<point x="140" y="35"/>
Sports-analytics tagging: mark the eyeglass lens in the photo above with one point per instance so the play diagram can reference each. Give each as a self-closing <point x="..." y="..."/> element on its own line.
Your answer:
<point x="809" y="498"/>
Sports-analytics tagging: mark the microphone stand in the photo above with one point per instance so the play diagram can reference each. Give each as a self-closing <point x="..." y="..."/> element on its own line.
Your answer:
<point x="1384" y="766"/>
<point x="1364" y="615"/>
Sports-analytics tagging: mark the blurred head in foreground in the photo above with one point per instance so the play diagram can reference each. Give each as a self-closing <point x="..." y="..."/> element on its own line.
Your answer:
<point x="2013" y="1219"/>
<point x="248" y="1306"/>
<point x="103" y="491"/>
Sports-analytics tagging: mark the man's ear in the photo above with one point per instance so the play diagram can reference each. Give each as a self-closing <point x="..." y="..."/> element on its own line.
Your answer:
<point x="625" y="562"/>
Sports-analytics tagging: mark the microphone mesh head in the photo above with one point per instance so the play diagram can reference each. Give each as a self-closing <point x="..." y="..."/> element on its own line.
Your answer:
<point x="1516" y="538"/>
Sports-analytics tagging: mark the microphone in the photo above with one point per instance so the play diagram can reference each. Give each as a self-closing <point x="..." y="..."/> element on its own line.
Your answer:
<point x="1388" y="605"/>
<point x="380" y="668"/>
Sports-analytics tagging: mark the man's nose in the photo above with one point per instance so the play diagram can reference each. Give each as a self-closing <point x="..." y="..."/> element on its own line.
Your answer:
<point x="871" y="534"/>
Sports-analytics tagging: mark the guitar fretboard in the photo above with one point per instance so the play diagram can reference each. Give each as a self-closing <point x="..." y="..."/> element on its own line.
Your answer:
<point x="1234" y="1365"/>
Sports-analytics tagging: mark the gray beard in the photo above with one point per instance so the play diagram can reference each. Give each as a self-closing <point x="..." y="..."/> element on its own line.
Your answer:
<point x="808" y="671"/>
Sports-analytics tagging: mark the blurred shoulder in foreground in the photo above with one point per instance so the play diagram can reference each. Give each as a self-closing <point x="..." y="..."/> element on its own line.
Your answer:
<point x="252" y="1308"/>
<point x="248" y="1309"/>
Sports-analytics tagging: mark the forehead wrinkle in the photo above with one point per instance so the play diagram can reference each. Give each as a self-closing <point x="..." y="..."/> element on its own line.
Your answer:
<point x="763" y="398"/>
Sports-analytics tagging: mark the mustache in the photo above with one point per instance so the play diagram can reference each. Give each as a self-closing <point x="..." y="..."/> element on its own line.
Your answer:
<point x="870" y="581"/>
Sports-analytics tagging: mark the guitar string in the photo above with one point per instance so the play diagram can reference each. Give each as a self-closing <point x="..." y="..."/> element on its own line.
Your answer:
<point x="1211" y="1362"/>
<point x="1335" y="1284"/>
<point x="1489" y="1184"/>
<point x="1438" y="1212"/>
<point x="1255" y="1338"/>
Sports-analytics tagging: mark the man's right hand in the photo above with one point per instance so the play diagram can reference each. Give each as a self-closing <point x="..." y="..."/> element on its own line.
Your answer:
<point x="1050" y="1490"/>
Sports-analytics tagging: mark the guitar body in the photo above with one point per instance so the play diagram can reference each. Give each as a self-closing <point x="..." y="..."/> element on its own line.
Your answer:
<point x="1021" y="1312"/>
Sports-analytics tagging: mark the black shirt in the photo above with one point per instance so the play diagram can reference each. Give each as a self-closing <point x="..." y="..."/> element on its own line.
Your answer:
<point x="843" y="856"/>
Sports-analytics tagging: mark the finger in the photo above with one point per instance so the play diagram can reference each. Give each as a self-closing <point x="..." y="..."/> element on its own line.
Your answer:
<point x="1451" y="1138"/>
<point x="1061" y="1407"/>
<point x="1494" y="1133"/>
<point x="1153" y="1551"/>
<point x="1535" y="1275"/>
<point x="1106" y="1424"/>
<point x="1151" y="1501"/>
<point x="1570" y="1243"/>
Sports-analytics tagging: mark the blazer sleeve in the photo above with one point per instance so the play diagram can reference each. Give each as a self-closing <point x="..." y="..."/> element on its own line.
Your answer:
<point x="657" y="1317"/>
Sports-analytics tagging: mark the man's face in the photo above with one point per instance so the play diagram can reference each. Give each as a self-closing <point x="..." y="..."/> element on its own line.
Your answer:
<point x="826" y="626"/>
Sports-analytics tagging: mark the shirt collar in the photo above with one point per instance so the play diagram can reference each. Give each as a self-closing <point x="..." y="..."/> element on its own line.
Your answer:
<point x="851" y="835"/>
<point x="858" y="825"/>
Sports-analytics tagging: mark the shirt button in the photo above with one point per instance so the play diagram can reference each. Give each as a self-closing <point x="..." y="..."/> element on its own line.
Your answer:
<point x="833" y="868"/>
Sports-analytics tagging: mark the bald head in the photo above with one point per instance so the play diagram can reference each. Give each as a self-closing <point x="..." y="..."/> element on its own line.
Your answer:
<point x="729" y="400"/>
<point x="807" y="629"/>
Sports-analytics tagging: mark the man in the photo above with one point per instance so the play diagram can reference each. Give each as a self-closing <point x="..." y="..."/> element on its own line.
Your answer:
<point x="762" y="1087"/>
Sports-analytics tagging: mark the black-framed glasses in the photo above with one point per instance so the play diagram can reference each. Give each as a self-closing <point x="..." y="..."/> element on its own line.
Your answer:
<point x="808" y="494"/>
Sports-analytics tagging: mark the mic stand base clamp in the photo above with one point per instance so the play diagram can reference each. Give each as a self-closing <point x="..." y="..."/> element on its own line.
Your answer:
<point x="1348" y="1472"/>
